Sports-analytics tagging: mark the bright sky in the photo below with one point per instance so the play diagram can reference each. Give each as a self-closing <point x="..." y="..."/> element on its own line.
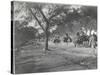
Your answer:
<point x="75" y="6"/>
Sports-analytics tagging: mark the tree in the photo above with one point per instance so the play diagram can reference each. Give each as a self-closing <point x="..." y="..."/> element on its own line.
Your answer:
<point x="88" y="18"/>
<point x="44" y="21"/>
<point x="48" y="17"/>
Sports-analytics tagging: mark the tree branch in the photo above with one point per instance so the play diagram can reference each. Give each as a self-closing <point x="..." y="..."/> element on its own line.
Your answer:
<point x="47" y="26"/>
<point x="37" y="20"/>
<point x="53" y="16"/>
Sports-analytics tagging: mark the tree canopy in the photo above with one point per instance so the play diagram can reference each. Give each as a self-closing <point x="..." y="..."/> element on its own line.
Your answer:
<point x="47" y="18"/>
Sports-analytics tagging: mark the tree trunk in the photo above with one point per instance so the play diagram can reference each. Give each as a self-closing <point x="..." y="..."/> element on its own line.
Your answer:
<point x="46" y="40"/>
<point x="44" y="29"/>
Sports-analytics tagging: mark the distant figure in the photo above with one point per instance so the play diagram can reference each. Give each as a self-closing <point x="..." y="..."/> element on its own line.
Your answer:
<point x="67" y="39"/>
<point x="82" y="31"/>
<point x="57" y="40"/>
<point x="93" y="41"/>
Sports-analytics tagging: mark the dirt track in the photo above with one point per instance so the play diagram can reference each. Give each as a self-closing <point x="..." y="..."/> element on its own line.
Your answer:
<point x="60" y="58"/>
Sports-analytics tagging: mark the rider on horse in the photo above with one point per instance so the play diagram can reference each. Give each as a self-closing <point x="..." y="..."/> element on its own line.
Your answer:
<point x="67" y="38"/>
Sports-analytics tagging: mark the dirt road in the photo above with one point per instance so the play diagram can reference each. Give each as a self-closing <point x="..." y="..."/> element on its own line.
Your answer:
<point x="60" y="58"/>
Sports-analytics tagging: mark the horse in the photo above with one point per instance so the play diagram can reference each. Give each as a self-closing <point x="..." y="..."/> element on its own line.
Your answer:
<point x="67" y="39"/>
<point x="81" y="40"/>
<point x="57" y="40"/>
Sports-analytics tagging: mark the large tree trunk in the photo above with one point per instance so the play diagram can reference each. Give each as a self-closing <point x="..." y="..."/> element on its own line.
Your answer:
<point x="44" y="29"/>
<point x="46" y="38"/>
<point x="46" y="41"/>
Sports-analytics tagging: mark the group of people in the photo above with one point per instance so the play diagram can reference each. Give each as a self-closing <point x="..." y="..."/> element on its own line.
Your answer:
<point x="66" y="39"/>
<point x="81" y="39"/>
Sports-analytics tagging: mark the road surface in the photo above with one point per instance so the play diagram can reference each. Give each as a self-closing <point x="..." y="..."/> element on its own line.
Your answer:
<point x="61" y="57"/>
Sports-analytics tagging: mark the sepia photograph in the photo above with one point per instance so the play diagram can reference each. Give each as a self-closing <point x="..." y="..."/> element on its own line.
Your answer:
<point x="52" y="37"/>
